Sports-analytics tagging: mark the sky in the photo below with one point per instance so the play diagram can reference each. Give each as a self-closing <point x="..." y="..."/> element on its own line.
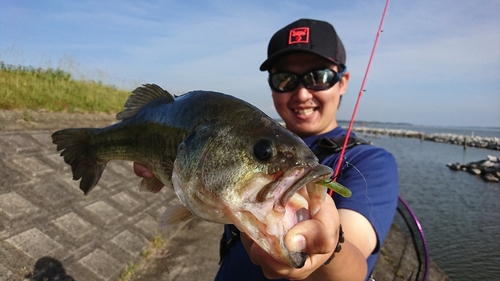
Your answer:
<point x="436" y="63"/>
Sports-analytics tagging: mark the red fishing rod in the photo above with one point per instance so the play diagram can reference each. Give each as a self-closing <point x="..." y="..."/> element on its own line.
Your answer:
<point x="349" y="129"/>
<point x="403" y="207"/>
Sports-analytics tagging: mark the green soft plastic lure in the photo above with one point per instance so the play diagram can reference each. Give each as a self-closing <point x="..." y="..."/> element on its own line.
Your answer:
<point x="337" y="187"/>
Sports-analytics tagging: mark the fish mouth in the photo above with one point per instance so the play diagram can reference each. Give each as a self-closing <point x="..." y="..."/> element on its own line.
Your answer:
<point x="319" y="172"/>
<point x="282" y="204"/>
<point x="296" y="212"/>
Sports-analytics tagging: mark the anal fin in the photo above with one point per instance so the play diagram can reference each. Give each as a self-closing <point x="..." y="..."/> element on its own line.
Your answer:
<point x="151" y="184"/>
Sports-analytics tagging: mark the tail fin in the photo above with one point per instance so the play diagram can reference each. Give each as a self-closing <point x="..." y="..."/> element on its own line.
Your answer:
<point x="74" y="144"/>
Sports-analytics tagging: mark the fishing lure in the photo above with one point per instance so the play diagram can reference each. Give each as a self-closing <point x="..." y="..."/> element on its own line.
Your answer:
<point x="337" y="187"/>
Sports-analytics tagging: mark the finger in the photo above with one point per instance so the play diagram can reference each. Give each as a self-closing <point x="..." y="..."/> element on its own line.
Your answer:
<point x="142" y="171"/>
<point x="317" y="194"/>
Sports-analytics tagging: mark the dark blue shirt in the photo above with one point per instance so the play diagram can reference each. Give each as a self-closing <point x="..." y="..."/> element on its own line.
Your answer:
<point x="369" y="172"/>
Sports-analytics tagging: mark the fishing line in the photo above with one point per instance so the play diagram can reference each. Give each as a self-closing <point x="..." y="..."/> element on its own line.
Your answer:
<point x="366" y="186"/>
<point x="339" y="164"/>
<point x="404" y="206"/>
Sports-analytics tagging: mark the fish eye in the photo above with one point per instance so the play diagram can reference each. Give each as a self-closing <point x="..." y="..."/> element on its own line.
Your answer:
<point x="263" y="150"/>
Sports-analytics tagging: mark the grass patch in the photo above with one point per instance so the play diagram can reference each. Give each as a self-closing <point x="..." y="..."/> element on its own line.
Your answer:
<point x="155" y="244"/>
<point x="131" y="268"/>
<point x="28" y="88"/>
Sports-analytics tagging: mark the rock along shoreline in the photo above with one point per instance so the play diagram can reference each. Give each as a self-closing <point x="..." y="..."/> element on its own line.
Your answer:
<point x="492" y="143"/>
<point x="488" y="169"/>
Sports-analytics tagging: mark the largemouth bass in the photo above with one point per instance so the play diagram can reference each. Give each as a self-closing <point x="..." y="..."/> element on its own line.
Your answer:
<point x="226" y="160"/>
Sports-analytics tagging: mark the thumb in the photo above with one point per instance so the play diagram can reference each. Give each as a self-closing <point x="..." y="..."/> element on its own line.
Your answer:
<point x="317" y="235"/>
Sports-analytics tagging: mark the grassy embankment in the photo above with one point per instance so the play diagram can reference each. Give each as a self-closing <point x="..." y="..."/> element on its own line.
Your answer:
<point x="54" y="90"/>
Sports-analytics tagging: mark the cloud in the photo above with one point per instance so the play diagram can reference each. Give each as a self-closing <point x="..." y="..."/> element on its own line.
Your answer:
<point x="432" y="56"/>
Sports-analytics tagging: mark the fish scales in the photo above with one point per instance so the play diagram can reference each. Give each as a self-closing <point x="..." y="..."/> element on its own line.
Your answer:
<point x="226" y="160"/>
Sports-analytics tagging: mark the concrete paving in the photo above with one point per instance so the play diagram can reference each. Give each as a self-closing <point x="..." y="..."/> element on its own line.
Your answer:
<point x="49" y="229"/>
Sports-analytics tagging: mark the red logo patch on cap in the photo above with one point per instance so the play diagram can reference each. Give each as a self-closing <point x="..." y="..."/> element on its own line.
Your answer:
<point x="299" y="35"/>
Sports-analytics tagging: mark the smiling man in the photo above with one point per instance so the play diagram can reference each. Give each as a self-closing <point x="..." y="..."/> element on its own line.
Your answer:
<point x="308" y="76"/>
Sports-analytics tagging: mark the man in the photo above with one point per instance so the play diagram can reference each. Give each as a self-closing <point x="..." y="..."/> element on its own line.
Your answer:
<point x="307" y="75"/>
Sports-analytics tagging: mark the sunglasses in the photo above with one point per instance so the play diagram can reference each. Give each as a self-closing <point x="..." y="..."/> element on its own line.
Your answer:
<point x="316" y="80"/>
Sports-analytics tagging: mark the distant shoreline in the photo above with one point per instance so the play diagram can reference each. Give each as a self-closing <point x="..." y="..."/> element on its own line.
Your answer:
<point x="437" y="127"/>
<point x="31" y="119"/>
<point x="492" y="143"/>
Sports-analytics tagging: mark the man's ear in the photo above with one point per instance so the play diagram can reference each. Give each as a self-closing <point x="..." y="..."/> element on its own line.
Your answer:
<point x="344" y="81"/>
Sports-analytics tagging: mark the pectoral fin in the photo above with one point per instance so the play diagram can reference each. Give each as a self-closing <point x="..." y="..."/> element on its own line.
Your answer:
<point x="174" y="214"/>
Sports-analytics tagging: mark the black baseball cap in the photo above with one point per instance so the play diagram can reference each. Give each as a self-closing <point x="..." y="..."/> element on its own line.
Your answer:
<point x="308" y="36"/>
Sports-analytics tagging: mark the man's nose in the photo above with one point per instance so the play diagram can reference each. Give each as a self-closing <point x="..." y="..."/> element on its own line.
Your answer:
<point x="302" y="93"/>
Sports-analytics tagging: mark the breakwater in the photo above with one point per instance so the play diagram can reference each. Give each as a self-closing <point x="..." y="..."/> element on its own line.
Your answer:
<point x="492" y="143"/>
<point x="488" y="169"/>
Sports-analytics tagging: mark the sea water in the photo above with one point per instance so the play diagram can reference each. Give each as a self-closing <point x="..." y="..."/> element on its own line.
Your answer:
<point x="459" y="212"/>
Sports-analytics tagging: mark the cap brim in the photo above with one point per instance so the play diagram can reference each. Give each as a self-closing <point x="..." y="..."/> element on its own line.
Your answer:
<point x="268" y="64"/>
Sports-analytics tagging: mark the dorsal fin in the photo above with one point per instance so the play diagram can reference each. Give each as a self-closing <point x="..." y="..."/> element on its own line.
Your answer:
<point x="142" y="96"/>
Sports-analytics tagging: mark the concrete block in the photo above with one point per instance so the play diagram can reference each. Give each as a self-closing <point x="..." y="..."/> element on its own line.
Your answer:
<point x="148" y="226"/>
<point x="74" y="226"/>
<point x="127" y="202"/>
<point x="124" y="169"/>
<point x="44" y="139"/>
<point x="131" y="243"/>
<point x="104" y="212"/>
<point x="52" y="193"/>
<point x="5" y="273"/>
<point x="33" y="166"/>
<point x="34" y="243"/>
<point x="101" y="264"/>
<point x="13" y="206"/>
<point x="19" y="143"/>
<point x="10" y="176"/>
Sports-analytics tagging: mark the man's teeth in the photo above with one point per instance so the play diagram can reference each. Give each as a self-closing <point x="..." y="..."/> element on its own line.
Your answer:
<point x="307" y="111"/>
